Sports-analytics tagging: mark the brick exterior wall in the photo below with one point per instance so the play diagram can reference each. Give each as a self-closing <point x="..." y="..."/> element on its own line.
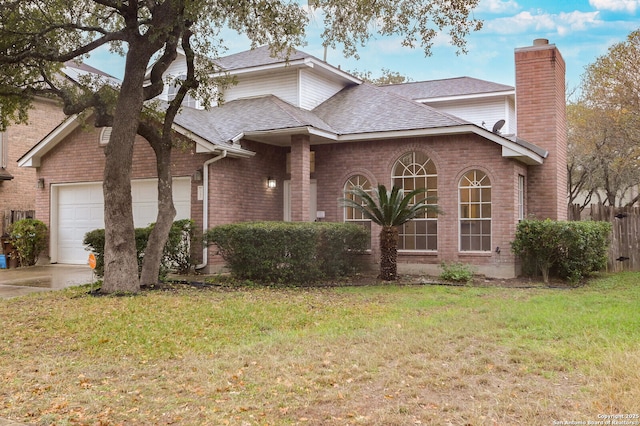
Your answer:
<point x="541" y="116"/>
<point x="452" y="156"/>
<point x="238" y="187"/>
<point x="20" y="192"/>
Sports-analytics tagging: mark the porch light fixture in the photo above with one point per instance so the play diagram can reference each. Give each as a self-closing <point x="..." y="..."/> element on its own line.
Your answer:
<point x="197" y="176"/>
<point x="41" y="183"/>
<point x="271" y="183"/>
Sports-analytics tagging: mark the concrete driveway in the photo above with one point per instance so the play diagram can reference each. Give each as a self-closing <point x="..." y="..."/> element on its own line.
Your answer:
<point x="21" y="281"/>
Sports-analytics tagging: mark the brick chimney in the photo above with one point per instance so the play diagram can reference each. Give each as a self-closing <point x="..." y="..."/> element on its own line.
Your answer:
<point x="541" y="118"/>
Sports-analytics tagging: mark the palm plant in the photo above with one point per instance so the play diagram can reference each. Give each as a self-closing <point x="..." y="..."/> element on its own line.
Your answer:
<point x="388" y="209"/>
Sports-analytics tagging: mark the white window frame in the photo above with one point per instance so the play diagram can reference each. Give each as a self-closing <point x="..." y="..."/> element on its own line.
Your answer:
<point x="475" y="211"/>
<point x="521" y="197"/>
<point x="417" y="168"/>
<point x="172" y="90"/>
<point x="4" y="150"/>
<point x="361" y="182"/>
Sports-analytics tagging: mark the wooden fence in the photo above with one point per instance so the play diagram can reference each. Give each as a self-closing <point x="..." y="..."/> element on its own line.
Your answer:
<point x="624" y="252"/>
<point x="12" y="216"/>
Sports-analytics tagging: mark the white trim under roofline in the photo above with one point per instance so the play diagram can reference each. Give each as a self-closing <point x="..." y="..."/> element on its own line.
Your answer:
<point x="509" y="149"/>
<point x="32" y="157"/>
<point x="463" y="97"/>
<point x="298" y="63"/>
<point x="204" y="146"/>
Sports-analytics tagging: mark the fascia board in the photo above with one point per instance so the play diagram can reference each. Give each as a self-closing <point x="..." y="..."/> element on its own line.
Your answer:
<point x="465" y="97"/>
<point x="297" y="64"/>
<point x="33" y="156"/>
<point x="509" y="149"/>
<point x="204" y="146"/>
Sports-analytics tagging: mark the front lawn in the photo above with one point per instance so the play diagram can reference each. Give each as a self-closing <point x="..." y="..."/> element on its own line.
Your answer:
<point x="371" y="355"/>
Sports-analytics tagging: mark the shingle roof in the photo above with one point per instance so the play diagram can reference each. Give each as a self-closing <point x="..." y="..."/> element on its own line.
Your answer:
<point x="366" y="108"/>
<point x="221" y="124"/>
<point x="459" y="86"/>
<point x="259" y="56"/>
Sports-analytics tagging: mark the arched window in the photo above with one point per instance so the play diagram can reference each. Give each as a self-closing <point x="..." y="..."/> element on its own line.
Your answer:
<point x="352" y="214"/>
<point x="475" y="211"/>
<point x="412" y="171"/>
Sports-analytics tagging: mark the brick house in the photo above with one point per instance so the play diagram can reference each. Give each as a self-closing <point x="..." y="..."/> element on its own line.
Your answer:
<point x="292" y="136"/>
<point x="18" y="185"/>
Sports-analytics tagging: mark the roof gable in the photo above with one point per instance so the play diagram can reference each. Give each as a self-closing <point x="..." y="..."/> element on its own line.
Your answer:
<point x="257" y="57"/>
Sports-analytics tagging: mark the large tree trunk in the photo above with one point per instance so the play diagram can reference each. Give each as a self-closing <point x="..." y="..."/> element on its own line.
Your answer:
<point x="166" y="214"/>
<point x="120" y="260"/>
<point x="389" y="253"/>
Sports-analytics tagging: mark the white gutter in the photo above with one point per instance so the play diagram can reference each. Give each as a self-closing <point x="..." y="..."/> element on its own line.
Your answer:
<point x="205" y="204"/>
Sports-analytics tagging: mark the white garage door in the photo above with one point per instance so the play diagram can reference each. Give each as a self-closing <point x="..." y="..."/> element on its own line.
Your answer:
<point x="80" y="209"/>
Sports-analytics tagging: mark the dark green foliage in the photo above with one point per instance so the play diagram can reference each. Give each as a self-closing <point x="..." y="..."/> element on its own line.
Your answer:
<point x="177" y="251"/>
<point x="29" y="238"/>
<point x="572" y="250"/>
<point x="288" y="252"/>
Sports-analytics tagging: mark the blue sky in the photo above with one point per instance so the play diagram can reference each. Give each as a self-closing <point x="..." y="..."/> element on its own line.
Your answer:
<point x="582" y="29"/>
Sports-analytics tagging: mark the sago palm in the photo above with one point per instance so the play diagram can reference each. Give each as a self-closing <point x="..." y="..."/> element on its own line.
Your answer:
<point x="388" y="209"/>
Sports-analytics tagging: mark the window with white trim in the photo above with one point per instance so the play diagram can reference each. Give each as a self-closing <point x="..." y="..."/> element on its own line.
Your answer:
<point x="172" y="90"/>
<point x="475" y="211"/>
<point x="4" y="150"/>
<point x="415" y="170"/>
<point x="351" y="214"/>
<point x="521" y="197"/>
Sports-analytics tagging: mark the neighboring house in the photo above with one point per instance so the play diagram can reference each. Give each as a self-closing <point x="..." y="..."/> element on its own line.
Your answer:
<point x="292" y="136"/>
<point x="18" y="185"/>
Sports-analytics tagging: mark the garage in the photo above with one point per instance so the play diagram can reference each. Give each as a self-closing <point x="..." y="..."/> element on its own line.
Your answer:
<point x="79" y="208"/>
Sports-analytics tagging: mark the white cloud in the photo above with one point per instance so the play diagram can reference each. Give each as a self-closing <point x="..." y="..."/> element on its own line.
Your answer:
<point x="616" y="5"/>
<point x="498" y="6"/>
<point x="562" y="23"/>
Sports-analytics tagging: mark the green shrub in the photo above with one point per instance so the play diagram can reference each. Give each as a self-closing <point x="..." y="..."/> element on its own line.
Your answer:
<point x="456" y="272"/>
<point x="572" y="250"/>
<point x="289" y="252"/>
<point x="29" y="238"/>
<point x="176" y="255"/>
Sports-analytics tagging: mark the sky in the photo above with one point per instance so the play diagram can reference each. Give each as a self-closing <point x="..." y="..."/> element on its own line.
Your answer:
<point x="582" y="30"/>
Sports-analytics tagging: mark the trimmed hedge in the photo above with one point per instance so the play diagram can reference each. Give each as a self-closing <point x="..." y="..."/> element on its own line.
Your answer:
<point x="177" y="251"/>
<point x="289" y="252"/>
<point x="569" y="250"/>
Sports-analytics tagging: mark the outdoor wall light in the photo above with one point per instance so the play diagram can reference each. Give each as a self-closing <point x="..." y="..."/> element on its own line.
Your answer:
<point x="41" y="183"/>
<point x="197" y="175"/>
<point x="271" y="183"/>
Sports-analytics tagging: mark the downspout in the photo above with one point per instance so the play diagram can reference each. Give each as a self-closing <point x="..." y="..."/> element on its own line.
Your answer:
<point x="205" y="204"/>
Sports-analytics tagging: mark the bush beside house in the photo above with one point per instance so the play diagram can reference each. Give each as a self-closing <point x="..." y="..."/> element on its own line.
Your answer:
<point x="569" y="250"/>
<point x="28" y="238"/>
<point x="177" y="252"/>
<point x="289" y="252"/>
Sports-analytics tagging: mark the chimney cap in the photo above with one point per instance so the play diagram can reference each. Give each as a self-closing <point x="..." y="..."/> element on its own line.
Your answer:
<point x="540" y="42"/>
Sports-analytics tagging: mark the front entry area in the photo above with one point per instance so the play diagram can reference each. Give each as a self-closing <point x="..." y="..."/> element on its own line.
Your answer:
<point x="79" y="208"/>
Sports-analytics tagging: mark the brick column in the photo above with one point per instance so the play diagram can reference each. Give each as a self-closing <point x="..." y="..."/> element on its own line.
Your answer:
<point x="541" y="116"/>
<point x="300" y="178"/>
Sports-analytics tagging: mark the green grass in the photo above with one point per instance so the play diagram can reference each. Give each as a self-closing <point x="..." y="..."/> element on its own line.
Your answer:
<point x="350" y="355"/>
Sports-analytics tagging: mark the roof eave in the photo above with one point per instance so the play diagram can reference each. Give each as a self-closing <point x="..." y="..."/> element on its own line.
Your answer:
<point x="467" y="96"/>
<point x="509" y="149"/>
<point x="309" y="62"/>
<point x="203" y="145"/>
<point x="34" y="155"/>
